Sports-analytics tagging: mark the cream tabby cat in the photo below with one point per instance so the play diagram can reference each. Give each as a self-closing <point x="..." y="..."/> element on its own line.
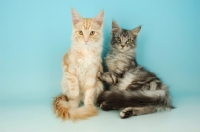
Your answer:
<point x="80" y="67"/>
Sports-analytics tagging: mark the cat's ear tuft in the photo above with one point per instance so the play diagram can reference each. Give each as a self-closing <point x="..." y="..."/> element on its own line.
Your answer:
<point x="99" y="18"/>
<point x="115" y="27"/>
<point x="75" y="17"/>
<point x="136" y="31"/>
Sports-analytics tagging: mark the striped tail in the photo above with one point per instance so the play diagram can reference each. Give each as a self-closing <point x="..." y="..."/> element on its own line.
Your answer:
<point x="64" y="110"/>
<point x="83" y="112"/>
<point x="121" y="99"/>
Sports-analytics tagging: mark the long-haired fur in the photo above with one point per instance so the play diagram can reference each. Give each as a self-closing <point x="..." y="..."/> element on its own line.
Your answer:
<point x="133" y="89"/>
<point x="81" y="65"/>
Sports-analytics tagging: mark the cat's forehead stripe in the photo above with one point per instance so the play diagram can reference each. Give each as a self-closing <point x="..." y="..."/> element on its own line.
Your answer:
<point x="87" y="23"/>
<point x="124" y="33"/>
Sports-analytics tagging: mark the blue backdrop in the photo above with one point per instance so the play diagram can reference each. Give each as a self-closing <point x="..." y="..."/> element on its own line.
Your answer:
<point x="34" y="35"/>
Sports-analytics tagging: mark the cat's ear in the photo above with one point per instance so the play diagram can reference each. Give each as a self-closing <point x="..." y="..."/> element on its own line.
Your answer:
<point x="115" y="27"/>
<point x="136" y="31"/>
<point x="75" y="17"/>
<point x="99" y="18"/>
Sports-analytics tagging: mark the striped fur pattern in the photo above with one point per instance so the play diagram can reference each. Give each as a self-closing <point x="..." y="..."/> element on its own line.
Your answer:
<point x="81" y="65"/>
<point x="133" y="89"/>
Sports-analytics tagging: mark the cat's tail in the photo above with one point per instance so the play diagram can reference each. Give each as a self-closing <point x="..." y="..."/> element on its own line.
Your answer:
<point x="82" y="112"/>
<point x="64" y="109"/>
<point x="120" y="99"/>
<point x="61" y="107"/>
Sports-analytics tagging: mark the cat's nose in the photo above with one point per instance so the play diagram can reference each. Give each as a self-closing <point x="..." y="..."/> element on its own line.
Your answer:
<point x="123" y="46"/>
<point x="85" y="41"/>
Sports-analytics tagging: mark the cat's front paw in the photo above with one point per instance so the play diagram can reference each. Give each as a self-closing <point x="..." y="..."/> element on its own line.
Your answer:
<point x="108" y="77"/>
<point x="99" y="74"/>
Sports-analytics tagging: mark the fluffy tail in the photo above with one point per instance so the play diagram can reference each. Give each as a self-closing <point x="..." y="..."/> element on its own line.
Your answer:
<point x="65" y="110"/>
<point x="121" y="99"/>
<point x="60" y="107"/>
<point x="82" y="112"/>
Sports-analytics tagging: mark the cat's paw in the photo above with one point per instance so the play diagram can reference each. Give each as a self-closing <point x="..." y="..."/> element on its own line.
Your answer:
<point x="108" y="77"/>
<point x="125" y="113"/>
<point x="114" y="78"/>
<point x="118" y="71"/>
<point x="99" y="74"/>
<point x="105" y="106"/>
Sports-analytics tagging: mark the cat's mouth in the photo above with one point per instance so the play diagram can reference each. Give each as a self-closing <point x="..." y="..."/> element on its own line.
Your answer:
<point x="122" y="49"/>
<point x="86" y="42"/>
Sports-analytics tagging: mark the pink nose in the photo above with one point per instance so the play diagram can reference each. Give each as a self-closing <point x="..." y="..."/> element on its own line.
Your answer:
<point x="85" y="41"/>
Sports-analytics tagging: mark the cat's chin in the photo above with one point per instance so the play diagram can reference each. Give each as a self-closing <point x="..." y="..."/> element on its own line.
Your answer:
<point x="122" y="50"/>
<point x="85" y="44"/>
<point x="82" y="43"/>
<point x="89" y="43"/>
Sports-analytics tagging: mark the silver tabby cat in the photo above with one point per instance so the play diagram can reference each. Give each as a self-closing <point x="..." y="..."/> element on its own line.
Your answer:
<point x="132" y="88"/>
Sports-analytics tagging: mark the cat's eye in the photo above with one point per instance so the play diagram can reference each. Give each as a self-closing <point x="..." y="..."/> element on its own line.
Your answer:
<point x="129" y="41"/>
<point x="92" y="32"/>
<point x="80" y="32"/>
<point x="118" y="39"/>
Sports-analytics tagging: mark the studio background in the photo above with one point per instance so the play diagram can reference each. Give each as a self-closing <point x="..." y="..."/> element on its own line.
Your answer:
<point x="34" y="36"/>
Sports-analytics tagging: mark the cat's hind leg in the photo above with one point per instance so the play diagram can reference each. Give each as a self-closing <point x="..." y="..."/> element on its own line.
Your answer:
<point x="105" y="106"/>
<point x="135" y="111"/>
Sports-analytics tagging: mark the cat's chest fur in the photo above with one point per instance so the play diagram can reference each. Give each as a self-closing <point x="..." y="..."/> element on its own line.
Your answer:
<point x="84" y="61"/>
<point x="118" y="61"/>
<point x="85" y="58"/>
